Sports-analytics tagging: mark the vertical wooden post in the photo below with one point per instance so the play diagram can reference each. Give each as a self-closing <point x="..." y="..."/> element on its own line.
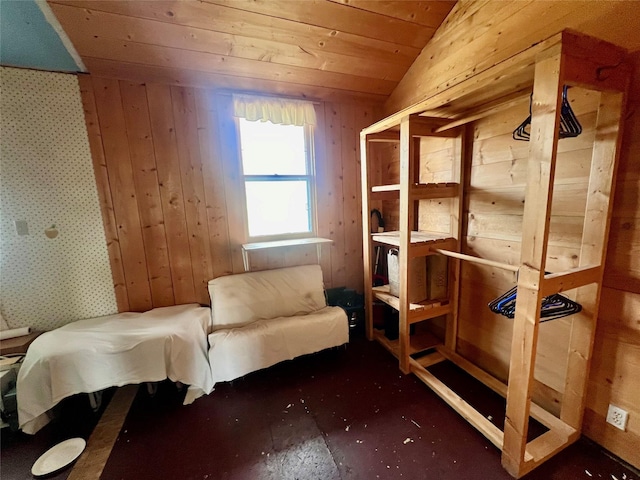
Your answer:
<point x="455" y="230"/>
<point x="407" y="167"/>
<point x="592" y="252"/>
<point x="546" y="101"/>
<point x="365" y="156"/>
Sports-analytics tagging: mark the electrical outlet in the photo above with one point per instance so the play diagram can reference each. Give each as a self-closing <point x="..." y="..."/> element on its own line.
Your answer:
<point x="617" y="417"/>
<point x="22" y="227"/>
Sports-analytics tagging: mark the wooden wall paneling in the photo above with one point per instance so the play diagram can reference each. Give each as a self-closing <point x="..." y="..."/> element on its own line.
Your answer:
<point x="444" y="63"/>
<point x="198" y="78"/>
<point x="542" y="395"/>
<point x="104" y="191"/>
<point x="323" y="193"/>
<point x="491" y="333"/>
<point x="114" y="136"/>
<point x="622" y="270"/>
<point x="461" y="28"/>
<point x="559" y="258"/>
<point x="275" y="258"/>
<point x="333" y="138"/>
<point x="569" y="200"/>
<point x="336" y="17"/>
<point x="301" y="255"/>
<point x="593" y="252"/>
<point x="364" y="116"/>
<point x="616" y="359"/>
<point x="564" y="231"/>
<point x="352" y="198"/>
<point x="265" y="27"/>
<point x="143" y="162"/>
<point x="584" y="104"/>
<point x="102" y="28"/>
<point x="188" y="145"/>
<point x="572" y="166"/>
<point x="503" y="148"/>
<point x="170" y="184"/>
<point x="229" y="152"/>
<point x="423" y="13"/>
<point x="160" y="56"/>
<point x="213" y="179"/>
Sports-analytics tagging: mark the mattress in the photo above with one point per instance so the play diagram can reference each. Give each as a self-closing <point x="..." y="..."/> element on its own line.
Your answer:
<point x="128" y="348"/>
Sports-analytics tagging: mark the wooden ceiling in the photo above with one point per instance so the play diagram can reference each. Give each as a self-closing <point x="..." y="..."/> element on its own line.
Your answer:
<point x="325" y="49"/>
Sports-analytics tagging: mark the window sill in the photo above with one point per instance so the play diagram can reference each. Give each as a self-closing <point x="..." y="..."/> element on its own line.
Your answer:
<point x="250" y="247"/>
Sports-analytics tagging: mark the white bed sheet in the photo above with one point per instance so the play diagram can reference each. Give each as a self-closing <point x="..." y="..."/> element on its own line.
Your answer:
<point x="128" y="348"/>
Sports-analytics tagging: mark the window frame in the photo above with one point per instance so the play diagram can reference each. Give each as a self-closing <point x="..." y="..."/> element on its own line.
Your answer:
<point x="310" y="178"/>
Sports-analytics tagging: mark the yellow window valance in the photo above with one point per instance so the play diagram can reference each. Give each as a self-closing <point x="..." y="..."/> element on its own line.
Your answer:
<point x="281" y="111"/>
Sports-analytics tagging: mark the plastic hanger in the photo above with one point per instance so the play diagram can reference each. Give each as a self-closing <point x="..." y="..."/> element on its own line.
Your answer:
<point x="569" y="124"/>
<point x="552" y="307"/>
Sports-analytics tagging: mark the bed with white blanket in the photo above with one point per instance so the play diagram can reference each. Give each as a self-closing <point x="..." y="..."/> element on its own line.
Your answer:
<point x="128" y="348"/>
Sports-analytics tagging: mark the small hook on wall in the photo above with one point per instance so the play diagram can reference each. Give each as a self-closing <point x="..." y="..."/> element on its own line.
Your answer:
<point x="51" y="232"/>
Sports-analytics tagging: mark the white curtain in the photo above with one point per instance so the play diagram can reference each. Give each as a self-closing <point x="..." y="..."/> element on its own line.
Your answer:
<point x="281" y="111"/>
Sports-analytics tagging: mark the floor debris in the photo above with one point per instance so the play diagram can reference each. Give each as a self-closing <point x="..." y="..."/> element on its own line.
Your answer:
<point x="407" y="440"/>
<point x="588" y="473"/>
<point x="416" y="423"/>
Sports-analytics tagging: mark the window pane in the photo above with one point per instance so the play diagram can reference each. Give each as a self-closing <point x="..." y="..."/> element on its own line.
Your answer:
<point x="269" y="149"/>
<point x="277" y="207"/>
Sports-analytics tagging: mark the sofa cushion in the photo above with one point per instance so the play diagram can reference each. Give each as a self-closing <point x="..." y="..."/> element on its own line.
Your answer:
<point x="238" y="300"/>
<point x="238" y="351"/>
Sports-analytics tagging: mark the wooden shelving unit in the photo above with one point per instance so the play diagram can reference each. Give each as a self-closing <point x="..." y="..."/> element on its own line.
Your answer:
<point x="565" y="59"/>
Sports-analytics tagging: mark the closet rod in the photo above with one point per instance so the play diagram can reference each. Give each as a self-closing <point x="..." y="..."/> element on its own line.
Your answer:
<point x="473" y="259"/>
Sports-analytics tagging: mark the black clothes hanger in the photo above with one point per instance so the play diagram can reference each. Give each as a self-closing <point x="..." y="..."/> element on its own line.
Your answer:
<point x="569" y="124"/>
<point x="552" y="307"/>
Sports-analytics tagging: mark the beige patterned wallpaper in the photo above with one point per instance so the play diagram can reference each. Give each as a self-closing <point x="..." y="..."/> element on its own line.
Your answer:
<point x="58" y="270"/>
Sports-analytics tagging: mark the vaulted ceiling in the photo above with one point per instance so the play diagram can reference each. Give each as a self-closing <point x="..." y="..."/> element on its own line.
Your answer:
<point x="313" y="48"/>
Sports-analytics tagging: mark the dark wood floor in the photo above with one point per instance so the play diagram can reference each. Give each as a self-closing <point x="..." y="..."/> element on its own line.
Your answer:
<point x="341" y="414"/>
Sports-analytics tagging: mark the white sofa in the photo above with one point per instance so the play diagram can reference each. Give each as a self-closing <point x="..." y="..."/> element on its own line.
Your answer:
<point x="262" y="318"/>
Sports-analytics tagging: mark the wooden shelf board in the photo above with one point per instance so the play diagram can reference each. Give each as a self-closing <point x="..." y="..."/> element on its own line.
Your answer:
<point x="419" y="191"/>
<point x="386" y="188"/>
<point x="418" y="239"/>
<point x="432" y="309"/>
<point x="382" y="294"/>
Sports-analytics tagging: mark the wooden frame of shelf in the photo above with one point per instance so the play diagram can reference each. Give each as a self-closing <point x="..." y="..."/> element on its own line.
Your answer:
<point x="418" y="312"/>
<point x="418" y="191"/>
<point x="564" y="59"/>
<point x="419" y="342"/>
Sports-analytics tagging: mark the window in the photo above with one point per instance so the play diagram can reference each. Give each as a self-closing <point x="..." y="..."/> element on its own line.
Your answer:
<point x="278" y="178"/>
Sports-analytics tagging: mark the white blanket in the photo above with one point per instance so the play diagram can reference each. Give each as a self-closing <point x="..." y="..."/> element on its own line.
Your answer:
<point x="128" y="348"/>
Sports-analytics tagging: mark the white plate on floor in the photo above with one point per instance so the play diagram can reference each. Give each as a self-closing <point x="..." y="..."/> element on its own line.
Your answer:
<point x="58" y="457"/>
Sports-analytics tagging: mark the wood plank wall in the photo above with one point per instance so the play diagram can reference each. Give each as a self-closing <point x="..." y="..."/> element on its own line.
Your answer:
<point x="476" y="35"/>
<point x="166" y="167"/>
